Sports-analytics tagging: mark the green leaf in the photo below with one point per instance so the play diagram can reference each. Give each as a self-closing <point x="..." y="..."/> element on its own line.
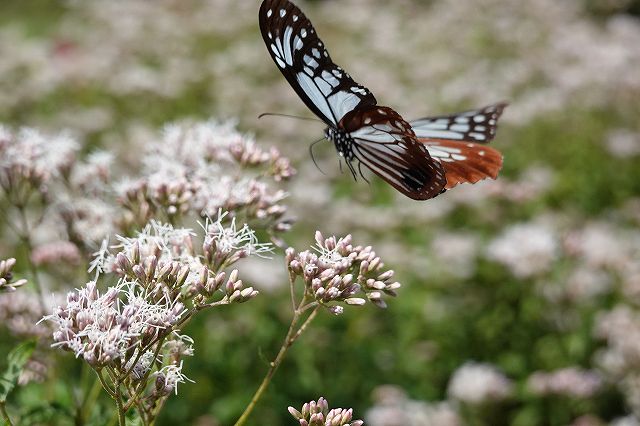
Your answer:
<point x="133" y="418"/>
<point x="17" y="358"/>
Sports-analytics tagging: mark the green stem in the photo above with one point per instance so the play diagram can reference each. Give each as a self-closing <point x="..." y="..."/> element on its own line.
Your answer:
<point x="143" y="382"/>
<point x="89" y="401"/>
<point x="292" y="336"/>
<point x="121" y="411"/>
<point x="105" y="386"/>
<point x="25" y="237"/>
<point x="5" y="415"/>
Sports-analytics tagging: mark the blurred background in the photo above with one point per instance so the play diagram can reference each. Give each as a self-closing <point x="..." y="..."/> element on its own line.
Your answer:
<point x="520" y="302"/>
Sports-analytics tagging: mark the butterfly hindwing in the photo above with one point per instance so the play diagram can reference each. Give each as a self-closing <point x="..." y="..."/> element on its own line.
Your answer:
<point x="464" y="162"/>
<point x="300" y="55"/>
<point x="478" y="125"/>
<point x="385" y="143"/>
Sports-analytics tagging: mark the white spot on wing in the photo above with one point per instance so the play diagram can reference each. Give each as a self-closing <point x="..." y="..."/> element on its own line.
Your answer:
<point x="343" y="102"/>
<point x="437" y="134"/>
<point x="460" y="127"/>
<point x="287" y="45"/>
<point x="315" y="95"/>
<point x="325" y="88"/>
<point x="269" y="13"/>
<point x="310" y="61"/>
<point x="282" y="13"/>
<point x="330" y="79"/>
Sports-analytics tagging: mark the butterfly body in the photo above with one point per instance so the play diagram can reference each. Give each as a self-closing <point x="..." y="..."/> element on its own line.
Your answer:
<point x="406" y="155"/>
<point x="342" y="141"/>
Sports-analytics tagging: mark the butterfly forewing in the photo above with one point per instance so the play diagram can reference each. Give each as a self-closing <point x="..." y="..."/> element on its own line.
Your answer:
<point x="385" y="144"/>
<point x="324" y="87"/>
<point x="478" y="125"/>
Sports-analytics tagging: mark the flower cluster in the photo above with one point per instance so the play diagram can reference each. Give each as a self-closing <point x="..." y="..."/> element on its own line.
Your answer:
<point x="20" y="312"/>
<point x="205" y="167"/>
<point x="526" y="249"/>
<point x="108" y="329"/>
<point x="394" y="408"/>
<point x="317" y="413"/>
<point x="337" y="271"/>
<point x="132" y="328"/>
<point x="29" y="161"/>
<point x="572" y="382"/>
<point x="476" y="383"/>
<point x="7" y="282"/>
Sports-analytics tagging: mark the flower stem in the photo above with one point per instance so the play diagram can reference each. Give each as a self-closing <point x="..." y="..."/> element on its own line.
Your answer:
<point x="292" y="336"/>
<point x="25" y="237"/>
<point x="90" y="400"/>
<point x="121" y="411"/>
<point x="5" y="415"/>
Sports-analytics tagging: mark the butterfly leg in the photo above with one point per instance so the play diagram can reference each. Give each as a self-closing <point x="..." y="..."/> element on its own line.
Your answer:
<point x="352" y="170"/>
<point x="362" y="174"/>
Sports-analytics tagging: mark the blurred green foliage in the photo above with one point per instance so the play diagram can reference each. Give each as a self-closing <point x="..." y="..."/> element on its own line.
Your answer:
<point x="491" y="317"/>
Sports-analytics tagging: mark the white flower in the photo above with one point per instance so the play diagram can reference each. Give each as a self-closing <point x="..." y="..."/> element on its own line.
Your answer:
<point x="570" y="381"/>
<point x="623" y="143"/>
<point x="170" y="376"/>
<point x="477" y="383"/>
<point x="456" y="253"/>
<point x="526" y="249"/>
<point x="393" y="408"/>
<point x="230" y="239"/>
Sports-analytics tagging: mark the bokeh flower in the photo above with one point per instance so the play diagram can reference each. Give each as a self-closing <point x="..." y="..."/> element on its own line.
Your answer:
<point x="478" y="383"/>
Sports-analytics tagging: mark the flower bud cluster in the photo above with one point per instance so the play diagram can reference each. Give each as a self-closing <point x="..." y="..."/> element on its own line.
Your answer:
<point x="247" y="153"/>
<point x="6" y="276"/>
<point x="233" y="288"/>
<point x="317" y="413"/>
<point x="203" y="167"/>
<point x="30" y="160"/>
<point x="337" y="271"/>
<point x="163" y="259"/>
<point x="225" y="244"/>
<point x="110" y="328"/>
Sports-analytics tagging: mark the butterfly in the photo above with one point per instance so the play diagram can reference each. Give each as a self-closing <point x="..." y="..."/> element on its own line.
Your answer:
<point x="421" y="158"/>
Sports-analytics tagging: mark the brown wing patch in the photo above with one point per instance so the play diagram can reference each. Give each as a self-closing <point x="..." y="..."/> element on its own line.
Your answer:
<point x="464" y="162"/>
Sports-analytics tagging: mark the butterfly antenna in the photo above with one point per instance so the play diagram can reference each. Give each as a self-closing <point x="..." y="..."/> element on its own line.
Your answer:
<point x="313" y="157"/>
<point x="273" y="114"/>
